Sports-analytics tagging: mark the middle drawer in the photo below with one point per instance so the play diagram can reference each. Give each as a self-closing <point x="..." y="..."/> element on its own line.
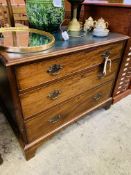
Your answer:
<point x="45" y="97"/>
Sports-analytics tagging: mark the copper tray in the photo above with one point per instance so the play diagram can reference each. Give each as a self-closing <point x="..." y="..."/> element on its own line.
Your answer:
<point x="25" y="40"/>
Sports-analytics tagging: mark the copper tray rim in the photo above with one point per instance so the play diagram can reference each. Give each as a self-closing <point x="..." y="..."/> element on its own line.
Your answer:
<point x="23" y="49"/>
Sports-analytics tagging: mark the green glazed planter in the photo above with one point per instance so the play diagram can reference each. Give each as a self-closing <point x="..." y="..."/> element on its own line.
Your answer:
<point x="43" y="15"/>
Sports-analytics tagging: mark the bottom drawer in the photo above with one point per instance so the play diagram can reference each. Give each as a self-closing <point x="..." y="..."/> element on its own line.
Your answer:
<point x="63" y="113"/>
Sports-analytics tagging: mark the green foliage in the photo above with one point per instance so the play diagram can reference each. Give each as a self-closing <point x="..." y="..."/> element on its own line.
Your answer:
<point x="43" y="15"/>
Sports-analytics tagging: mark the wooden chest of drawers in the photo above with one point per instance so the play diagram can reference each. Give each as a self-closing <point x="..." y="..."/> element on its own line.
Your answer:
<point x="44" y="92"/>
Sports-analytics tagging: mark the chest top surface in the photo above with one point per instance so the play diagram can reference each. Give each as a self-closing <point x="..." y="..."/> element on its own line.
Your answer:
<point x="61" y="47"/>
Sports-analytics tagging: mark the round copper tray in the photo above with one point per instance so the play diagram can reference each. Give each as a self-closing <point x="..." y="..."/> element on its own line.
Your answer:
<point x="25" y="40"/>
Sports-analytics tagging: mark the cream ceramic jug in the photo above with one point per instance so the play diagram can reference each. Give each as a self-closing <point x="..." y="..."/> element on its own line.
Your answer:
<point x="101" y="24"/>
<point x="89" y="23"/>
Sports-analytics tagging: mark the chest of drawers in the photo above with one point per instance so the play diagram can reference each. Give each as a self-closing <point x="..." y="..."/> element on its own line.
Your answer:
<point x="44" y="92"/>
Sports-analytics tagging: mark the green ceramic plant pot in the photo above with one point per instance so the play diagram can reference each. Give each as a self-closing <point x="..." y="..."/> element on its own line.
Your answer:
<point x="43" y="15"/>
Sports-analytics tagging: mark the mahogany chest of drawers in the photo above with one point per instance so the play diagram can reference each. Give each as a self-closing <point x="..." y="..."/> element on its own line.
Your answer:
<point x="44" y="92"/>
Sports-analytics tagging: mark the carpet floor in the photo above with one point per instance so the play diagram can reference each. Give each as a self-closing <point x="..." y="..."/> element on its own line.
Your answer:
<point x="98" y="144"/>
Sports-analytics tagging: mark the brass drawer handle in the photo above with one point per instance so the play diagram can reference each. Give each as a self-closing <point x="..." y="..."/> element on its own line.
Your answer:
<point x="97" y="97"/>
<point x="55" y="119"/>
<point x="54" y="69"/>
<point x="54" y="95"/>
<point x="107" y="53"/>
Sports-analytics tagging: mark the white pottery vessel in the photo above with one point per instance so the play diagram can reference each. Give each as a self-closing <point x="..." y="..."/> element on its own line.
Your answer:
<point x="89" y="24"/>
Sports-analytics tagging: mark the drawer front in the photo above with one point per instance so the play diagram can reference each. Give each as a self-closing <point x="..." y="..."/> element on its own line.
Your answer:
<point x="64" y="113"/>
<point x="34" y="74"/>
<point x="46" y="97"/>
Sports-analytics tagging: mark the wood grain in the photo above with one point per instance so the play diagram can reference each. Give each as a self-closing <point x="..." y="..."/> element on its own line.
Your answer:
<point x="30" y="148"/>
<point x="38" y="112"/>
<point x="42" y="125"/>
<point x="37" y="101"/>
<point x="35" y="74"/>
<point x="62" y="47"/>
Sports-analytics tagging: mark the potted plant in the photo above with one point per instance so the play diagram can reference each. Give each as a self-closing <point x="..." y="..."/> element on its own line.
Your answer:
<point x="44" y="14"/>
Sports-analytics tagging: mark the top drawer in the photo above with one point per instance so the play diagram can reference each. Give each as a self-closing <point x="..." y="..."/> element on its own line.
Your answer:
<point x="34" y="74"/>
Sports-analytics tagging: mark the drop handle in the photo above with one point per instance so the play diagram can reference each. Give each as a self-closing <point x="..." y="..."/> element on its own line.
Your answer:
<point x="107" y="60"/>
<point x="54" y="69"/>
<point x="55" y="119"/>
<point x="54" y="95"/>
<point x="97" y="97"/>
